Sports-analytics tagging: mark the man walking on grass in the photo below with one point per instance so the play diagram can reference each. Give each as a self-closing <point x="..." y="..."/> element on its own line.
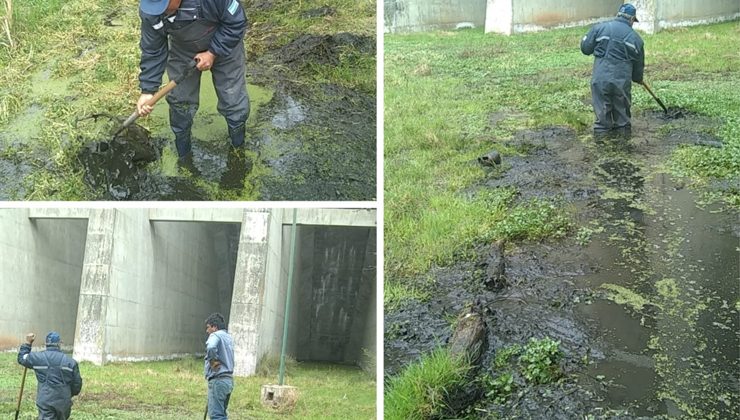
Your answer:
<point x="57" y="374"/>
<point x="619" y="60"/>
<point x="219" y="366"/>
<point x="211" y="32"/>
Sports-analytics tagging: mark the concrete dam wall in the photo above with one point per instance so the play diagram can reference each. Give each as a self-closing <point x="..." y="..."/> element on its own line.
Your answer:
<point x="516" y="16"/>
<point x="137" y="284"/>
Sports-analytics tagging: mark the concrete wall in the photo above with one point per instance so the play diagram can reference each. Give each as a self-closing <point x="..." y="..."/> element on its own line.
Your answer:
<point x="424" y="15"/>
<point x="40" y="268"/>
<point x="687" y="13"/>
<point x="514" y="16"/>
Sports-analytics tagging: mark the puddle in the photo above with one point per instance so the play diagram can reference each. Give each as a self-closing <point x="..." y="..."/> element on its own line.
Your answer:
<point x="646" y="309"/>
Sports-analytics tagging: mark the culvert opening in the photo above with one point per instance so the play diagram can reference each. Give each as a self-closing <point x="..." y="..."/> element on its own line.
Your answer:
<point x="332" y="318"/>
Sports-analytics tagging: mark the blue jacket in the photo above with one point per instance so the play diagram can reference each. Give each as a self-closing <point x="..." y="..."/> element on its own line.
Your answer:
<point x="227" y="15"/>
<point x="619" y="51"/>
<point x="219" y="346"/>
<point x="58" y="375"/>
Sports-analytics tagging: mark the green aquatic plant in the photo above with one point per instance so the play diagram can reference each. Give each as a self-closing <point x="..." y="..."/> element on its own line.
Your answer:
<point x="540" y="360"/>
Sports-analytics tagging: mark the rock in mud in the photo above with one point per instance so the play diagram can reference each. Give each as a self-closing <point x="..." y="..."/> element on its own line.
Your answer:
<point x="491" y="158"/>
<point x="495" y="267"/>
<point x="469" y="338"/>
<point x="318" y="12"/>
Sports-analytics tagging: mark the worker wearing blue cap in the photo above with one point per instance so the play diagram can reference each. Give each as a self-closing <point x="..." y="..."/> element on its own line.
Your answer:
<point x="57" y="374"/>
<point x="619" y="61"/>
<point x="173" y="33"/>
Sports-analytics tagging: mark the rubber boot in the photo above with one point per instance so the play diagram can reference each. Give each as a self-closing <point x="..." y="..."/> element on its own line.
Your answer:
<point x="237" y="135"/>
<point x="183" y="144"/>
<point x="186" y="162"/>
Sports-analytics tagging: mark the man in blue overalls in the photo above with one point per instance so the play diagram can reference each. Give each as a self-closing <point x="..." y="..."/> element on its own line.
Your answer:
<point x="619" y="61"/>
<point x="57" y="374"/>
<point x="211" y="32"/>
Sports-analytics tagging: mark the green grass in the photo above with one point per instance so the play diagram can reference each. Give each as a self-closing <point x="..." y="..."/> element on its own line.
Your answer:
<point x="176" y="389"/>
<point x="424" y="389"/>
<point x="443" y="89"/>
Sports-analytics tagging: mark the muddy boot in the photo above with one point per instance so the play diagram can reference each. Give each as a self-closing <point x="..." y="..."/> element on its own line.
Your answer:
<point x="188" y="164"/>
<point x="237" y="135"/>
<point x="183" y="144"/>
<point x="237" y="167"/>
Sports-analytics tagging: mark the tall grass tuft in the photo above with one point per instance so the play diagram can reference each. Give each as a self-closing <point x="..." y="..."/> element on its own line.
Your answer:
<point x="424" y="389"/>
<point x="8" y="24"/>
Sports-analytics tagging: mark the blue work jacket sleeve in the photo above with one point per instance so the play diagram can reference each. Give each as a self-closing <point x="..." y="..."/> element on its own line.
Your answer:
<point x="76" y="384"/>
<point x="154" y="53"/>
<point x="22" y="353"/>
<point x="588" y="43"/>
<point x="638" y="67"/>
<point x="231" y="28"/>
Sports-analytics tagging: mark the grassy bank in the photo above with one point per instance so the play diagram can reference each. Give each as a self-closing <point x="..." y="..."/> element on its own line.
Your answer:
<point x="176" y="390"/>
<point x="452" y="96"/>
<point x="72" y="59"/>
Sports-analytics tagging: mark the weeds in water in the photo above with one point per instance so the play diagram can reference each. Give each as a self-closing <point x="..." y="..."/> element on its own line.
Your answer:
<point x="534" y="220"/>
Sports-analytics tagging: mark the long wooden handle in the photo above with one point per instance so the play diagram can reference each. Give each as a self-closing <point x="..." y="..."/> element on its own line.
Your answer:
<point x="20" y="395"/>
<point x="160" y="94"/>
<point x="650" y="91"/>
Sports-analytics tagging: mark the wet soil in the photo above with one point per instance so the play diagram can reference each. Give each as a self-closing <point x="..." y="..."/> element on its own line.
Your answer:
<point x="642" y="297"/>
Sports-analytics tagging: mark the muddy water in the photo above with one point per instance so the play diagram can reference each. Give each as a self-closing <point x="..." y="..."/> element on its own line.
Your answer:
<point x="644" y="302"/>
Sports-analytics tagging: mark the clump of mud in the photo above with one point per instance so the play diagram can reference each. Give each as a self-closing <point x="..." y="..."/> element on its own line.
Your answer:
<point x="324" y="49"/>
<point x="118" y="165"/>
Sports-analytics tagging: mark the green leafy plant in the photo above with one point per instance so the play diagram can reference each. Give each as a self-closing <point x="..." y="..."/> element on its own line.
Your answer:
<point x="500" y="387"/>
<point x="540" y="360"/>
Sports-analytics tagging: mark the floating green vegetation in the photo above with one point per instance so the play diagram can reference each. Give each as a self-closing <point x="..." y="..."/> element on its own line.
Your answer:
<point x="667" y="288"/>
<point x="624" y="296"/>
<point x="540" y="360"/>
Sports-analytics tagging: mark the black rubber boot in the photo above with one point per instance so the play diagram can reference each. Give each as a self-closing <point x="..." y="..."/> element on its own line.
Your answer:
<point x="237" y="135"/>
<point x="186" y="162"/>
<point x="183" y="144"/>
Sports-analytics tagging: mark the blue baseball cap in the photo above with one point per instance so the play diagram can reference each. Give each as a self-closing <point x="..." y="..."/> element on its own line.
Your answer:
<point x="153" y="7"/>
<point x="53" y="338"/>
<point x="628" y="10"/>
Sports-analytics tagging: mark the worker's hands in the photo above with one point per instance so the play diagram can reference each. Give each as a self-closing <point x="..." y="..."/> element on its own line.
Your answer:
<point x="30" y="337"/>
<point x="205" y="60"/>
<point x="141" y="107"/>
<point x="215" y="364"/>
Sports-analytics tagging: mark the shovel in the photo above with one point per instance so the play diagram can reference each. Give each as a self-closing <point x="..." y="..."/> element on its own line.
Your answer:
<point x="20" y="395"/>
<point x="30" y="337"/>
<point x="650" y="91"/>
<point x="157" y="96"/>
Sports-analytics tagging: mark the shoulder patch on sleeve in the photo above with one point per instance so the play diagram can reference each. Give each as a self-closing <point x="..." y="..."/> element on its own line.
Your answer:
<point x="233" y="6"/>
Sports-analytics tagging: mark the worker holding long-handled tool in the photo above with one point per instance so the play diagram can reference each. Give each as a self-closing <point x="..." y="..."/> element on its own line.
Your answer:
<point x="173" y="33"/>
<point x="57" y="374"/>
<point x="619" y="60"/>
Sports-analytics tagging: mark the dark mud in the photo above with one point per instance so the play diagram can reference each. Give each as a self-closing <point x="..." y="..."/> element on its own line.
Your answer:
<point x="312" y="160"/>
<point x="642" y="296"/>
